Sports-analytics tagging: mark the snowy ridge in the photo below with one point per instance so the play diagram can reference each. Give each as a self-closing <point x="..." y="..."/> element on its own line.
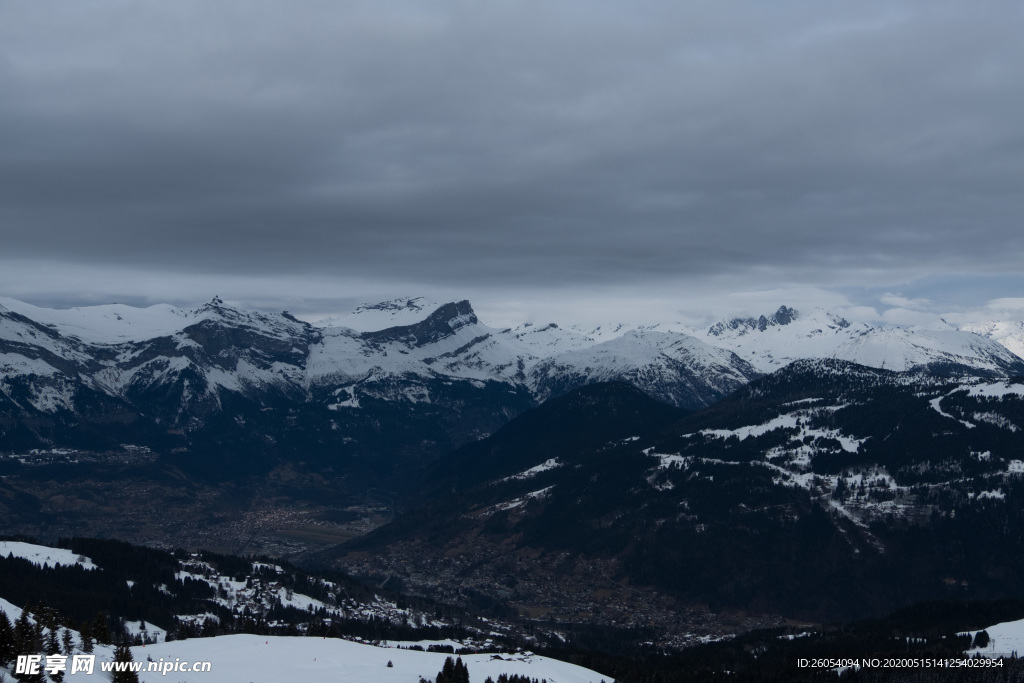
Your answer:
<point x="244" y="658"/>
<point x="44" y="556"/>
<point x="549" y="464"/>
<point x="371" y="317"/>
<point x="673" y="367"/>
<point x="544" y="341"/>
<point x="108" y="324"/>
<point x="1007" y="333"/>
<point x="770" y="343"/>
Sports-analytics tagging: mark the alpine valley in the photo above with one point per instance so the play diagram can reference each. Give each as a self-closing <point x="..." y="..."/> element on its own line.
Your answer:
<point x="689" y="484"/>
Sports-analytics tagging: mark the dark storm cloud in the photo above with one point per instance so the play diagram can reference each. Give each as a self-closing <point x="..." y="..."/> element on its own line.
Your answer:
<point x="456" y="143"/>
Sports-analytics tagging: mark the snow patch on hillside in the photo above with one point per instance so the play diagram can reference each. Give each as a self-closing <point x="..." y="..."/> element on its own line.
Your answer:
<point x="996" y="389"/>
<point x="516" y="502"/>
<point x="549" y="464"/>
<point x="936" y="404"/>
<point x="44" y="556"/>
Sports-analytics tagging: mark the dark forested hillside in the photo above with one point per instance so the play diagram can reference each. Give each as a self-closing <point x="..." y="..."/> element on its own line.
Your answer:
<point x="823" y="491"/>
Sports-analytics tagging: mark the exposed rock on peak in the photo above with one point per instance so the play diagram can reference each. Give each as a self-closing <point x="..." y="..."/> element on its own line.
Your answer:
<point x="411" y="304"/>
<point x="783" y="316"/>
<point x="440" y="324"/>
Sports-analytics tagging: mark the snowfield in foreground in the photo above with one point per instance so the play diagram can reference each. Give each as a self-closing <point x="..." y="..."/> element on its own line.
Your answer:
<point x="273" y="659"/>
<point x="281" y="659"/>
<point x="1005" y="639"/>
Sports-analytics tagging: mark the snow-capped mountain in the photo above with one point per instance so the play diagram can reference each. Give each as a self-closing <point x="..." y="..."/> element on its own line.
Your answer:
<point x="450" y="342"/>
<point x="771" y="342"/>
<point x="673" y="367"/>
<point x="178" y="359"/>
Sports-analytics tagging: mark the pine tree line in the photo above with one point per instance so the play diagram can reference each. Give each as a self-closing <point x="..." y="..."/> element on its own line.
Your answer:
<point x="44" y="631"/>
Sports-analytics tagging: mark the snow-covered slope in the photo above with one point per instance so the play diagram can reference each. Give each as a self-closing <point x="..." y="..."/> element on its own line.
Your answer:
<point x="1005" y="332"/>
<point x="673" y="367"/>
<point x="382" y="315"/>
<point x="42" y="555"/>
<point x="545" y="341"/>
<point x="909" y="348"/>
<point x="247" y="658"/>
<point x="1005" y="640"/>
<point x="108" y="324"/>
<point x="771" y="342"/>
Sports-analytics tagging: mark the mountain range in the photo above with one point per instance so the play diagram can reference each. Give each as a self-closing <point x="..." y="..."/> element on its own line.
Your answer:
<point x="395" y="383"/>
<point x="395" y="349"/>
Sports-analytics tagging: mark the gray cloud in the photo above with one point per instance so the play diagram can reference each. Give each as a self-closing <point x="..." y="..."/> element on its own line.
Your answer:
<point x="515" y="144"/>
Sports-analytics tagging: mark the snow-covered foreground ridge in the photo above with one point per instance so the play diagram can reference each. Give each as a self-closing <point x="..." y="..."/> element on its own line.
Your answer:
<point x="48" y="357"/>
<point x="1004" y="640"/>
<point x="247" y="658"/>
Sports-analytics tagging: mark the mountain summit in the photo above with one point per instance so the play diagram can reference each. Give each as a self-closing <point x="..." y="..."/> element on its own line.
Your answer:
<point x="783" y="316"/>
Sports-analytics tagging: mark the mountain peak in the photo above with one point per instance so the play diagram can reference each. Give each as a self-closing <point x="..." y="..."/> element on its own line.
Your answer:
<point x="456" y="314"/>
<point x="784" y="316"/>
<point x="443" y="322"/>
<point x="215" y="304"/>
<point x="417" y="303"/>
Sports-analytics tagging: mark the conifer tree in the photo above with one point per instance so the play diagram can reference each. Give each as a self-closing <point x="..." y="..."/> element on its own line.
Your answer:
<point x="67" y="640"/>
<point x="28" y="641"/>
<point x="86" y="633"/>
<point x="461" y="673"/>
<point x="100" y="630"/>
<point x="124" y="654"/>
<point x="447" y="672"/>
<point x="6" y="639"/>
<point x="53" y="648"/>
<point x="453" y="671"/>
<point x="26" y="637"/>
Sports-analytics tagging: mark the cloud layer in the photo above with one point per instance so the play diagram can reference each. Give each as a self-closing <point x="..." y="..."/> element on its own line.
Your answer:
<point x="513" y="146"/>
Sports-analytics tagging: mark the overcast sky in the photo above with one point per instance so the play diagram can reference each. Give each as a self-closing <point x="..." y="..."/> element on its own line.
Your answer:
<point x="557" y="159"/>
